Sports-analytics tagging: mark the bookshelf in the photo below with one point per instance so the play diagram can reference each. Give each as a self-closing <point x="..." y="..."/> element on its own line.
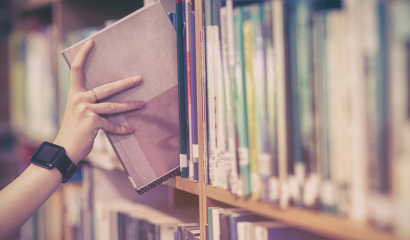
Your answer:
<point x="75" y="14"/>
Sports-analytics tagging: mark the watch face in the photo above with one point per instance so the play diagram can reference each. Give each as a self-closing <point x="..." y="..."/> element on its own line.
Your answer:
<point x="45" y="154"/>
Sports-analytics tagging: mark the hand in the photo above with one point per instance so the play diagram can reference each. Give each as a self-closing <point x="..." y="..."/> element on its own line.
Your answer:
<point x="81" y="120"/>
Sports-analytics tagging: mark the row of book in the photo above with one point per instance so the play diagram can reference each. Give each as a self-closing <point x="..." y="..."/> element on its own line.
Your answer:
<point x="304" y="103"/>
<point x="127" y="220"/>
<point x="33" y="85"/>
<point x="237" y="224"/>
<point x="184" y="23"/>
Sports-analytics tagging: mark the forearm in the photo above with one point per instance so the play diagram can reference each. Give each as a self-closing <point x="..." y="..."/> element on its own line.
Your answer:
<point x="21" y="199"/>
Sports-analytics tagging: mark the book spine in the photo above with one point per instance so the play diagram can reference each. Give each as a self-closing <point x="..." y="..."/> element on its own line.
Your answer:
<point x="271" y="183"/>
<point x="244" y="187"/>
<point x="204" y="111"/>
<point x="210" y="224"/>
<point x="248" y="45"/>
<point x="259" y="71"/>
<point x="226" y="157"/>
<point x="280" y="93"/>
<point x="188" y="5"/>
<point x="181" y="89"/>
<point x="399" y="47"/>
<point x="232" y="133"/>
<point x="194" y="120"/>
<point x="357" y="209"/>
<point x="211" y="104"/>
<point x="186" y="105"/>
<point x="226" y="19"/>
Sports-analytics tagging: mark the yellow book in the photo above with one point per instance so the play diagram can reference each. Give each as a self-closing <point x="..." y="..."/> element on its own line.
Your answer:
<point x="248" y="43"/>
<point x="16" y="42"/>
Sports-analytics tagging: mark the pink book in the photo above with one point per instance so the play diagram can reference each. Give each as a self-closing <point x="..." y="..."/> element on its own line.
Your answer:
<point x="141" y="44"/>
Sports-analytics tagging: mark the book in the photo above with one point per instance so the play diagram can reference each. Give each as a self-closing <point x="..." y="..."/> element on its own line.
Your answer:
<point x="181" y="89"/>
<point x="248" y="46"/>
<point x="150" y="154"/>
<point x="241" y="119"/>
<point x="399" y="96"/>
<point x="194" y="112"/>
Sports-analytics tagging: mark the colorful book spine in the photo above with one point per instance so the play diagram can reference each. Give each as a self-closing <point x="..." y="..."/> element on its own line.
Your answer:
<point x="248" y="45"/>
<point x="181" y="89"/>
<point x="194" y="120"/>
<point x="240" y="105"/>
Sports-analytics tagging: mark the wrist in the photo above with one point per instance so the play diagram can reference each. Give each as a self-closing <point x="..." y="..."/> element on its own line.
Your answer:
<point x="68" y="150"/>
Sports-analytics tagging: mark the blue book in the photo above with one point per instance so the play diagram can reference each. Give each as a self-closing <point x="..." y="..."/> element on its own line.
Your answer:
<point x="181" y="88"/>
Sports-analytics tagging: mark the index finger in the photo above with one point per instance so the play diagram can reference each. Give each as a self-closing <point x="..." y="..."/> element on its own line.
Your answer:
<point x="76" y="78"/>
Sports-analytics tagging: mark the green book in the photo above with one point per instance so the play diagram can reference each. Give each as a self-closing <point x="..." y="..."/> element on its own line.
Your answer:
<point x="240" y="104"/>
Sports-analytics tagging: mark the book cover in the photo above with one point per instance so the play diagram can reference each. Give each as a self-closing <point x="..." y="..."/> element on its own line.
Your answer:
<point x="150" y="154"/>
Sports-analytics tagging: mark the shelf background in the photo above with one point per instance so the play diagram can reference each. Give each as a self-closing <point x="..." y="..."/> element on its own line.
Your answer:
<point x="184" y="192"/>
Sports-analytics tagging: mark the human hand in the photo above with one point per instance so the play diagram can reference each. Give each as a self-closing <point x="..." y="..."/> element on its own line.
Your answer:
<point x="81" y="120"/>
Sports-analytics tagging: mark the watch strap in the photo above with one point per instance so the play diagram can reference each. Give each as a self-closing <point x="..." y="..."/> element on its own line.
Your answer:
<point x="66" y="167"/>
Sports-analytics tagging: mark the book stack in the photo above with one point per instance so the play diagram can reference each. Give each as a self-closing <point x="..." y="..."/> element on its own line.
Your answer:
<point x="237" y="224"/>
<point x="304" y="103"/>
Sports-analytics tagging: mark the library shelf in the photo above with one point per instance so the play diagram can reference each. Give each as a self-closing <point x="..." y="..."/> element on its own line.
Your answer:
<point x="183" y="184"/>
<point x="335" y="227"/>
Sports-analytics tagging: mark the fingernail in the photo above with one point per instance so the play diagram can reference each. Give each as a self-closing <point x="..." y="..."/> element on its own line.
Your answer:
<point x="141" y="103"/>
<point x="137" y="79"/>
<point x="89" y="42"/>
<point x="130" y="130"/>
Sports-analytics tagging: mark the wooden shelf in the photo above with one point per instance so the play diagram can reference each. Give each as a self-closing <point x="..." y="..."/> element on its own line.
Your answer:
<point x="183" y="184"/>
<point x="325" y="224"/>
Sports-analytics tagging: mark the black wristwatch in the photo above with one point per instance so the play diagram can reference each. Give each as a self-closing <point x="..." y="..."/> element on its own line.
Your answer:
<point x="49" y="155"/>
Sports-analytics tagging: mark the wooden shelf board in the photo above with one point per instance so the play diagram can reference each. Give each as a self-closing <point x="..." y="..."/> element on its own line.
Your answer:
<point x="183" y="184"/>
<point x="325" y="224"/>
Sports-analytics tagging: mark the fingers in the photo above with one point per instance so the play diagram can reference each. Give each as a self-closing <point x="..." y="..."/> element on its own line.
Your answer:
<point x="109" y="89"/>
<point x="111" y="108"/>
<point x="114" y="128"/>
<point x="76" y="77"/>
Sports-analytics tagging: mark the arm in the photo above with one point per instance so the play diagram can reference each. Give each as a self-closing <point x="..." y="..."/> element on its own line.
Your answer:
<point x="81" y="122"/>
